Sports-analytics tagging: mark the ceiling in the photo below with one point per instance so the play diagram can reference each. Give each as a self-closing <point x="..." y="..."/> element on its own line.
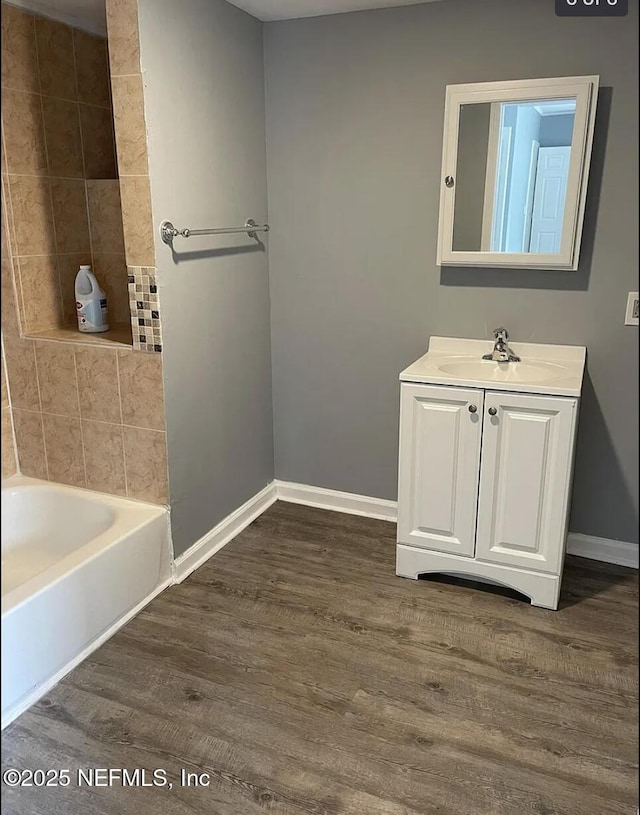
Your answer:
<point x="90" y="15"/>
<point x="290" y="9"/>
<point x="86" y="14"/>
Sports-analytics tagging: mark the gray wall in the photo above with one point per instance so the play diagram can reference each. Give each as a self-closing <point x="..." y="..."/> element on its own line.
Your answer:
<point x="204" y="98"/>
<point x="355" y="108"/>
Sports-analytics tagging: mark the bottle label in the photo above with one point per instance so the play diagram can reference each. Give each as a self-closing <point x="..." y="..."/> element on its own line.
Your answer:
<point x="92" y="315"/>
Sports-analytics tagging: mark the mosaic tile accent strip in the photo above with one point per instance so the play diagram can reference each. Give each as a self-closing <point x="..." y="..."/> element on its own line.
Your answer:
<point x="144" y="305"/>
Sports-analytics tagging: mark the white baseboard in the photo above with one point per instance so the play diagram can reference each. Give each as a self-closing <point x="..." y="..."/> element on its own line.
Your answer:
<point x="27" y="701"/>
<point x="223" y="533"/>
<point x="620" y="553"/>
<point x="337" y="501"/>
<point x="608" y="551"/>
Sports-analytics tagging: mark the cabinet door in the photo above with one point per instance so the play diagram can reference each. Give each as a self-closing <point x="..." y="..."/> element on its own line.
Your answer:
<point x="525" y="477"/>
<point x="440" y="430"/>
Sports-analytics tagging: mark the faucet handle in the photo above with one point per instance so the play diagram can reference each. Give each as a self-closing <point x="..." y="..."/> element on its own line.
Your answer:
<point x="500" y="333"/>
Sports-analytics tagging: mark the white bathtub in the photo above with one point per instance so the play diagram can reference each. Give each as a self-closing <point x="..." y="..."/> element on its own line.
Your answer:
<point x="76" y="565"/>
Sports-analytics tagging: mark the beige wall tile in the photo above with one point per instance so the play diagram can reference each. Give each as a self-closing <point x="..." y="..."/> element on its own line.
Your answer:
<point x="141" y="389"/>
<point x="8" y="453"/>
<point x="69" y="202"/>
<point x="111" y="271"/>
<point x="92" y="70"/>
<point x="105" y="216"/>
<point x="63" y="445"/>
<point x="19" y="57"/>
<point x="122" y="25"/>
<point x="62" y="132"/>
<point x="57" y="378"/>
<point x="145" y="456"/>
<point x="8" y="234"/>
<point x="6" y="226"/>
<point x="5" y="392"/>
<point x="55" y="58"/>
<point x="40" y="288"/>
<point x="19" y="300"/>
<point x="22" y="373"/>
<point x="33" y="221"/>
<point x="98" y="386"/>
<point x="131" y="135"/>
<point x="30" y="443"/>
<point x="23" y="133"/>
<point x="104" y="457"/>
<point x="68" y="267"/>
<point x="10" y="325"/>
<point x="97" y="142"/>
<point x="6" y="252"/>
<point x="135" y="192"/>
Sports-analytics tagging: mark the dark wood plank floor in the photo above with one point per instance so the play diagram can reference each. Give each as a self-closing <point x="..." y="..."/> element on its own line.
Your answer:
<point x="304" y="677"/>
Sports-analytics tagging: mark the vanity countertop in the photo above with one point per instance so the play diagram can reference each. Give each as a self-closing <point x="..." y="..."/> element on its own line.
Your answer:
<point x="555" y="370"/>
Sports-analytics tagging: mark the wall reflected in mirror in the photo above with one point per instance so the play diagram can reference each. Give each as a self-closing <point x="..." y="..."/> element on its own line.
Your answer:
<point x="511" y="178"/>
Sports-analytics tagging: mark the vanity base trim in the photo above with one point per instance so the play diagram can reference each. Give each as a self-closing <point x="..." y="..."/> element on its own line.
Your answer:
<point x="542" y="589"/>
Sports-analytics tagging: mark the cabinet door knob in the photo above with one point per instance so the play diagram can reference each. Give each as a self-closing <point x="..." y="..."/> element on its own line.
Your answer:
<point x="473" y="408"/>
<point x="492" y="411"/>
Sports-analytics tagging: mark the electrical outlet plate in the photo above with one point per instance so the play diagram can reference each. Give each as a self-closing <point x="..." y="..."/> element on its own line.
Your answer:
<point x="631" y="314"/>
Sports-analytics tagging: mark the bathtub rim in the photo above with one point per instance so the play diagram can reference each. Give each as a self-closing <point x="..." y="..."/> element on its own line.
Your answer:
<point x="131" y="516"/>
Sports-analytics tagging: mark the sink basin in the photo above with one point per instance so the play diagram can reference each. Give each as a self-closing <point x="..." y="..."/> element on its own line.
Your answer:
<point x="487" y="370"/>
<point x="553" y="370"/>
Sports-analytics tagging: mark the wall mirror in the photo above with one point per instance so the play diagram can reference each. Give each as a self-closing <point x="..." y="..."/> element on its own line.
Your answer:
<point x="515" y="167"/>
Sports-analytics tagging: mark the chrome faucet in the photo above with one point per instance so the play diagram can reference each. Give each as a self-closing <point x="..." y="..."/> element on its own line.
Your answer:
<point x="501" y="351"/>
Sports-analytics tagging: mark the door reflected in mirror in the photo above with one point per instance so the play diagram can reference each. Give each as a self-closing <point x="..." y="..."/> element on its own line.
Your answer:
<point x="512" y="171"/>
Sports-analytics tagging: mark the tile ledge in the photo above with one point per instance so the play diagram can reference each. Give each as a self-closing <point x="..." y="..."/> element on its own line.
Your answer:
<point x="120" y="336"/>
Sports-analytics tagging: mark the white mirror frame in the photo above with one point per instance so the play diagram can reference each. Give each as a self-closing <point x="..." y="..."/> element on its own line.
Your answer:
<point x="585" y="91"/>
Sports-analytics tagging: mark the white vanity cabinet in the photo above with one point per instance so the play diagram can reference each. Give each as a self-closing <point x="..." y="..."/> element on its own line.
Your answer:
<point x="484" y="484"/>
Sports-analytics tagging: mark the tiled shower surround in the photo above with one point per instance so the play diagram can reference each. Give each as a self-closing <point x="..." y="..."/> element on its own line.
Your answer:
<point x="87" y="415"/>
<point x="87" y="412"/>
<point x="135" y="187"/>
<point x="59" y="168"/>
